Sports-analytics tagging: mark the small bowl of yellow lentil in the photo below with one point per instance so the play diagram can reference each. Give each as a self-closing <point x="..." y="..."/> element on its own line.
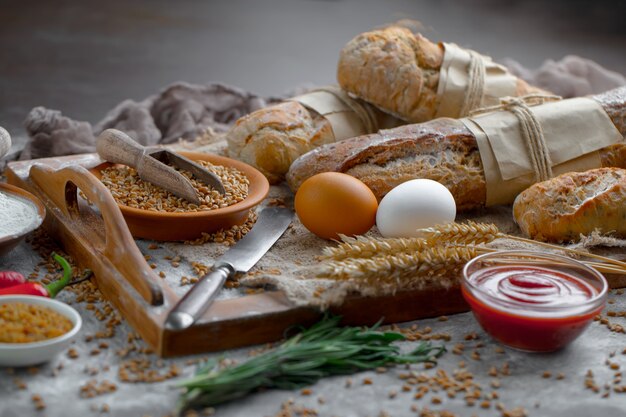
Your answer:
<point x="34" y="329"/>
<point x="153" y="213"/>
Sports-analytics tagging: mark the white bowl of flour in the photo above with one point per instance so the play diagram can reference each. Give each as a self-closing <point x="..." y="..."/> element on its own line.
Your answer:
<point x="20" y="213"/>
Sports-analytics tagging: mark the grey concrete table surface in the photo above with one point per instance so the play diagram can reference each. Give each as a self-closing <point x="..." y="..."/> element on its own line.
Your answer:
<point x="85" y="57"/>
<point x="61" y="382"/>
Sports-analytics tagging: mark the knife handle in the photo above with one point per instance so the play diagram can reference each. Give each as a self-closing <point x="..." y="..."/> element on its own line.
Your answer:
<point x="198" y="299"/>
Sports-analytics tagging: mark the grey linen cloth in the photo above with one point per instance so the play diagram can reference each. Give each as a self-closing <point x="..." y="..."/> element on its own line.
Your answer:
<point x="572" y="76"/>
<point x="179" y="111"/>
<point x="185" y="110"/>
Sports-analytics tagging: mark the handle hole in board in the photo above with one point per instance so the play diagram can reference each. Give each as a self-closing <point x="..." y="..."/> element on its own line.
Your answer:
<point x="85" y="213"/>
<point x="71" y="199"/>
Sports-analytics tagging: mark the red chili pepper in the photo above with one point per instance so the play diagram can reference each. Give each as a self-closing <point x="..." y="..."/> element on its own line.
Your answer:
<point x="50" y="290"/>
<point x="29" y="288"/>
<point x="10" y="279"/>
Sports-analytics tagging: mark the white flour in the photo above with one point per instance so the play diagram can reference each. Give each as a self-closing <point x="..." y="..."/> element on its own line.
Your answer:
<point x="16" y="215"/>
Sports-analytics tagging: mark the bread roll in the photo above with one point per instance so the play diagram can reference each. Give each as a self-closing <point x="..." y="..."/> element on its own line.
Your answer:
<point x="398" y="71"/>
<point x="574" y="204"/>
<point x="272" y="138"/>
<point x="443" y="150"/>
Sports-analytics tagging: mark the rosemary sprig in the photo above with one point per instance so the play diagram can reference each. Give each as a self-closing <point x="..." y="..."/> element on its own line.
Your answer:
<point x="324" y="349"/>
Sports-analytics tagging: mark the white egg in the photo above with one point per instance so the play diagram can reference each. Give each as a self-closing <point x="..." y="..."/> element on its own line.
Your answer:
<point x="413" y="205"/>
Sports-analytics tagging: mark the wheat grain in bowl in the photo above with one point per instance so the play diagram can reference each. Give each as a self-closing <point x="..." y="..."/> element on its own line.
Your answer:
<point x="130" y="190"/>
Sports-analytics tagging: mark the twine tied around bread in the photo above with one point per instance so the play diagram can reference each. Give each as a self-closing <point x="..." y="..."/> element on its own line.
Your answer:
<point x="476" y="84"/>
<point x="530" y="128"/>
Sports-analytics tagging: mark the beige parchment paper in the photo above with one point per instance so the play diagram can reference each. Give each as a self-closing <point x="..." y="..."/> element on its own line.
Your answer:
<point x="574" y="131"/>
<point x="348" y="116"/>
<point x="454" y="81"/>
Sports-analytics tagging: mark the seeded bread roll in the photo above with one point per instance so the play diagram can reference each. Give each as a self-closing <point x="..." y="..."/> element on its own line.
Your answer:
<point x="398" y="71"/>
<point x="574" y="204"/>
<point x="443" y="150"/>
<point x="270" y="139"/>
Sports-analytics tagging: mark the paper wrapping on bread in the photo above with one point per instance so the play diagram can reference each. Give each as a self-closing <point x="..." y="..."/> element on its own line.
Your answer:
<point x="417" y="80"/>
<point x="272" y="138"/>
<point x="574" y="131"/>
<point x="461" y="88"/>
<point x="574" y="204"/>
<point x="444" y="150"/>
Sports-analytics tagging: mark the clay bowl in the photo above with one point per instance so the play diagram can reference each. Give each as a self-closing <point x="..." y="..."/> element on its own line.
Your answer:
<point x="7" y="243"/>
<point x="188" y="226"/>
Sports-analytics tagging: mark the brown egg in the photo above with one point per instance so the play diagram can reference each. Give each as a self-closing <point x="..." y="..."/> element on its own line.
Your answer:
<point x="333" y="203"/>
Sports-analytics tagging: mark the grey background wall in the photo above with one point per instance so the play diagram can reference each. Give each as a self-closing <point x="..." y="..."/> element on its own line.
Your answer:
<point x="83" y="57"/>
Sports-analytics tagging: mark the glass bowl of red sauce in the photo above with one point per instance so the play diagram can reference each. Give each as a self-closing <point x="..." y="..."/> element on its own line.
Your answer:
<point x="533" y="301"/>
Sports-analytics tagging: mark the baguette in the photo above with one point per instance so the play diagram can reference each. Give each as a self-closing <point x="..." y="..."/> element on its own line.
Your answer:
<point x="270" y="139"/>
<point x="398" y="71"/>
<point x="574" y="204"/>
<point x="443" y="150"/>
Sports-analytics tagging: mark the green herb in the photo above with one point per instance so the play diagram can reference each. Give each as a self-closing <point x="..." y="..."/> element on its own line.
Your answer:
<point x="325" y="349"/>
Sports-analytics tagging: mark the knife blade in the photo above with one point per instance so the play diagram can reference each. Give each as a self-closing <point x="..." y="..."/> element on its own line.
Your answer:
<point x="270" y="225"/>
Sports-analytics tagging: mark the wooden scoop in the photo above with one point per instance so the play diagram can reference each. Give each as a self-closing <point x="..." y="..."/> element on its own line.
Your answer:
<point x="154" y="165"/>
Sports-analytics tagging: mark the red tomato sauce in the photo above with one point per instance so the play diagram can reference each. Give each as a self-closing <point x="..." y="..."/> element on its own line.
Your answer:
<point x="531" y="308"/>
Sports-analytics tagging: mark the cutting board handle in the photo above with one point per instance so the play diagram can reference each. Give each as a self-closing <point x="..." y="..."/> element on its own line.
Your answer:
<point x="119" y="247"/>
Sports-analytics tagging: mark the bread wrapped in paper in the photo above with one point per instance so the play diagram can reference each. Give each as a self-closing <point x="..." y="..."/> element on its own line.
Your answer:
<point x="417" y="80"/>
<point x="272" y="138"/>
<point x="447" y="151"/>
<point x="395" y="73"/>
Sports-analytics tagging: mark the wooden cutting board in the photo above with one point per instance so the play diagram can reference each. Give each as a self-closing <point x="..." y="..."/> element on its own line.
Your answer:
<point x="97" y="238"/>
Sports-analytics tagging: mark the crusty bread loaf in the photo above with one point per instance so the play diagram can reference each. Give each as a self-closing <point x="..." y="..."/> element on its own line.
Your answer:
<point x="574" y="204"/>
<point x="272" y="138"/>
<point x="443" y="150"/>
<point x="398" y="71"/>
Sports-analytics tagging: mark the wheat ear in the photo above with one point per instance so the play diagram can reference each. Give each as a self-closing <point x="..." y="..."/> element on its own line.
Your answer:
<point x="476" y="233"/>
<point x="437" y="261"/>
<point x="470" y="233"/>
<point x="600" y="266"/>
<point x="367" y="247"/>
<point x="605" y="259"/>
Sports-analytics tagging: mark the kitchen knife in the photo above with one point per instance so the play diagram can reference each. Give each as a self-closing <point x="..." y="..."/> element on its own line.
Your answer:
<point x="270" y="225"/>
